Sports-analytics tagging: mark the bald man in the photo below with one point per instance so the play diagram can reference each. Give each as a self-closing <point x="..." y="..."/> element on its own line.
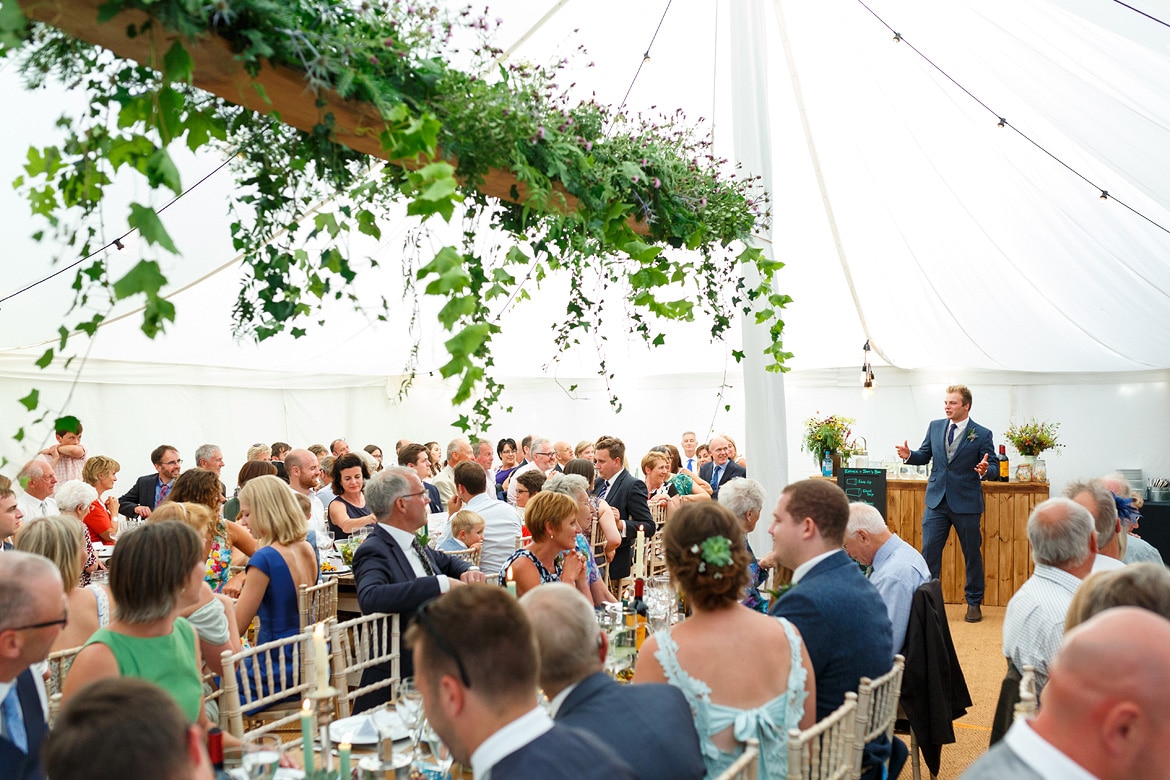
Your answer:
<point x="1103" y="712"/>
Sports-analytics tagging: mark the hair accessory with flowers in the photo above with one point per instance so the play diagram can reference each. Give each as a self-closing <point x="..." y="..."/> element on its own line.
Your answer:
<point x="714" y="550"/>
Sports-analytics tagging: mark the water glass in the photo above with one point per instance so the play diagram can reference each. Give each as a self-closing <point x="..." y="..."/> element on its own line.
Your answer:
<point x="440" y="753"/>
<point x="325" y="541"/>
<point x="408" y="704"/>
<point x="261" y="756"/>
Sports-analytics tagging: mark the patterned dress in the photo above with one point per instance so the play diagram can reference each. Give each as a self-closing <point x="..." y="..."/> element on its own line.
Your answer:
<point x="219" y="559"/>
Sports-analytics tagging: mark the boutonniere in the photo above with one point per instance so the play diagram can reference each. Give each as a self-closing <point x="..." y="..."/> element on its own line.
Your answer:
<point x="423" y="535"/>
<point x="780" y="590"/>
<point x="972" y="435"/>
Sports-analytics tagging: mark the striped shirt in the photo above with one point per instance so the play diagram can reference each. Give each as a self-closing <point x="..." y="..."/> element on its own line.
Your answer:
<point x="1033" y="625"/>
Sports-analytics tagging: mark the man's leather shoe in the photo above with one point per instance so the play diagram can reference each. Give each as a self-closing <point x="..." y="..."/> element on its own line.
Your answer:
<point x="974" y="614"/>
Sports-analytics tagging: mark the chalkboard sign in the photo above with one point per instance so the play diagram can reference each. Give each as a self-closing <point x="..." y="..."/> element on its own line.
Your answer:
<point x="865" y="485"/>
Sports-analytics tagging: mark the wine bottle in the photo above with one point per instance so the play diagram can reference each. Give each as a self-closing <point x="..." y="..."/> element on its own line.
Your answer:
<point x="1003" y="465"/>
<point x="641" y="612"/>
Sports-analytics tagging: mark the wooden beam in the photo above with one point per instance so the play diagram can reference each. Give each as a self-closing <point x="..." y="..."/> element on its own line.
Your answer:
<point x="357" y="125"/>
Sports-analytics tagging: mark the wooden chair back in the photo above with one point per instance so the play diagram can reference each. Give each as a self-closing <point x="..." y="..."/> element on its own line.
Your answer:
<point x="877" y="709"/>
<point x="357" y="645"/>
<point x="471" y="556"/>
<point x="824" y="751"/>
<point x="59" y="664"/>
<point x="597" y="544"/>
<point x="747" y="766"/>
<point x="317" y="603"/>
<point x="265" y="684"/>
<point x="1027" y="705"/>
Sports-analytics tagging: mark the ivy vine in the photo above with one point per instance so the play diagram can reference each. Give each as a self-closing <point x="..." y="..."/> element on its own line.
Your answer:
<point x="301" y="193"/>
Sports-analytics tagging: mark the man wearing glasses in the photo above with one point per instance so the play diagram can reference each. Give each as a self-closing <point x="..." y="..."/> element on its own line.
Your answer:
<point x="394" y="572"/>
<point x="476" y="665"/>
<point x="151" y="490"/>
<point x="32" y="614"/>
<point x="543" y="458"/>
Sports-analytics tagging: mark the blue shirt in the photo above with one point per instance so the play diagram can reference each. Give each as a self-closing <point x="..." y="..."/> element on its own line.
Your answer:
<point x="898" y="570"/>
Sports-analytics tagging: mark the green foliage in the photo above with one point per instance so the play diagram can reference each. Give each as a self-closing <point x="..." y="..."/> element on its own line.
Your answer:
<point x="584" y="174"/>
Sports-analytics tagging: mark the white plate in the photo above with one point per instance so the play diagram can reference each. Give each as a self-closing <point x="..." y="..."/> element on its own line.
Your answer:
<point x="338" y="568"/>
<point x="360" y="729"/>
<point x="282" y="773"/>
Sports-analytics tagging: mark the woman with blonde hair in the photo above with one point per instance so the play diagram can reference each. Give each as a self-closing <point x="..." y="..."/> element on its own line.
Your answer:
<point x="101" y="473"/>
<point x="61" y="540"/>
<point x="551" y="519"/>
<point x="761" y="694"/>
<point x="201" y="486"/>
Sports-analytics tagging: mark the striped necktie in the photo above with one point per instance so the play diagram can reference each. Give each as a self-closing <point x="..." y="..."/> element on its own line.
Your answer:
<point x="422" y="556"/>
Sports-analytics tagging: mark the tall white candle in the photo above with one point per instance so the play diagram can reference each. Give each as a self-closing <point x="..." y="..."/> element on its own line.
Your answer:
<point x="640" y="554"/>
<point x="321" y="657"/>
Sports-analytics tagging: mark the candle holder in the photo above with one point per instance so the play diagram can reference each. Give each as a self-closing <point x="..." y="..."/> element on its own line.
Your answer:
<point x="324" y="702"/>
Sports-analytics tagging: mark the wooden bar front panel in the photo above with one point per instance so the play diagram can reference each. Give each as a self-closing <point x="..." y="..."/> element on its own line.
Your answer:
<point x="1007" y="557"/>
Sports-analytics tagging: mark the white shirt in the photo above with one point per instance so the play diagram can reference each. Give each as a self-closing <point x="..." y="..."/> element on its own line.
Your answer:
<point x="405" y="539"/>
<point x="805" y="567"/>
<point x="1039" y="754"/>
<point x="520" y="732"/>
<point x="502" y="525"/>
<point x="316" y="515"/>
<point x="554" y="706"/>
<point x="34" y="507"/>
<point x="1105" y="563"/>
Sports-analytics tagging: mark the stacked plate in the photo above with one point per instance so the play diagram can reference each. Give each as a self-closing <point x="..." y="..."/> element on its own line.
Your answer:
<point x="1134" y="478"/>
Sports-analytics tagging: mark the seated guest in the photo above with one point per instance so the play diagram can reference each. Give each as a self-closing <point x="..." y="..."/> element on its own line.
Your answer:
<point x="687" y="483"/>
<point x="761" y="694"/>
<point x="839" y="613"/>
<point x="703" y="455"/>
<point x="1134" y="549"/>
<point x="32" y="612"/>
<point x="506" y="449"/>
<point x="649" y="725"/>
<point x="74" y="498"/>
<point x="374" y="451"/>
<point x="551" y="520"/>
<point x="584" y="450"/>
<point x="576" y="487"/>
<point x="414" y="456"/>
<point x="599" y="510"/>
<point x="744" y="498"/>
<point x="1104" y="713"/>
<point x="898" y="569"/>
<point x="212" y="615"/>
<point x="201" y="486"/>
<point x="61" y="540"/>
<point x="347" y="511"/>
<point x="151" y="738"/>
<point x="249" y="471"/>
<point x="156" y="571"/>
<point x="1063" y="546"/>
<point x="475" y="663"/>
<point x="722" y="468"/>
<point x="1145" y="585"/>
<point x="501" y="521"/>
<point x="393" y="571"/>
<point x="466" y="532"/>
<point x="528" y="484"/>
<point x="10" y="514"/>
<point x="151" y="490"/>
<point x="1095" y="497"/>
<point x="101" y="473"/>
<point x="276" y="571"/>
<point x="661" y="493"/>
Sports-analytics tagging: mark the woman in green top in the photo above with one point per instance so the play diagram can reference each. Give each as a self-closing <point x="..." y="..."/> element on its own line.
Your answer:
<point x="155" y="573"/>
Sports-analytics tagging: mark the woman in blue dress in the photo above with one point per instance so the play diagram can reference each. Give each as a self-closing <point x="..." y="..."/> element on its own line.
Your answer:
<point x="284" y="562"/>
<point x="733" y="697"/>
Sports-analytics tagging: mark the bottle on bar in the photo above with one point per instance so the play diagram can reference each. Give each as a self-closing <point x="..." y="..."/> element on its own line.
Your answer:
<point x="1003" y="465"/>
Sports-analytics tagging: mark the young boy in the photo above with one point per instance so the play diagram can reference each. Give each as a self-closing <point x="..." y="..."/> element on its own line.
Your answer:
<point x="466" y="532"/>
<point x="67" y="456"/>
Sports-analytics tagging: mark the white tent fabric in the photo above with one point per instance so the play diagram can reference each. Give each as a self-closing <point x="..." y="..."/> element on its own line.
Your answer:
<point x="905" y="216"/>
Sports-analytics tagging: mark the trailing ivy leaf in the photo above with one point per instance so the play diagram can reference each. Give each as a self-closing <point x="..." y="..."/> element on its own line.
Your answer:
<point x="170" y="114"/>
<point x="44" y="360"/>
<point x="368" y="224"/>
<point x="19" y="435"/>
<point x="68" y="424"/>
<point x="12" y="24"/>
<point x="160" y="169"/>
<point x="144" y="278"/>
<point x="177" y="63"/>
<point x="31" y="400"/>
<point x="145" y="220"/>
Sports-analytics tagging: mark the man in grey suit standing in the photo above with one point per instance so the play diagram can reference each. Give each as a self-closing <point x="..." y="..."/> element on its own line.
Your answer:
<point x="1104" y="713"/>
<point x="959" y="448"/>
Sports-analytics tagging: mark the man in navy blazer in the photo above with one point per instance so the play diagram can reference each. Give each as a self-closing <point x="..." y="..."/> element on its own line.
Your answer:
<point x="625" y="493"/>
<point x="721" y="469"/>
<point x="32" y="614"/>
<point x="151" y="490"/>
<point x="650" y="726"/>
<point x="394" y="573"/>
<point x="959" y="448"/>
<point x="475" y="663"/>
<point x="839" y="613"/>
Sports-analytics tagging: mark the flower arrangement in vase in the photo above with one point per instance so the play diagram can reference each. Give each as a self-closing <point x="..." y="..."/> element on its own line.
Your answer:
<point x="1032" y="438"/>
<point x="829" y="434"/>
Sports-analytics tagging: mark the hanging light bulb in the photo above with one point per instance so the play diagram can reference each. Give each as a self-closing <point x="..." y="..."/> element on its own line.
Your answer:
<point x="868" y="383"/>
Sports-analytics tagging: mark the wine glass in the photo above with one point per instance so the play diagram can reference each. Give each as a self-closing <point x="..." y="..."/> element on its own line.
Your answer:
<point x="440" y="753"/>
<point x="261" y="756"/>
<point x="409" y="706"/>
<point x="325" y="541"/>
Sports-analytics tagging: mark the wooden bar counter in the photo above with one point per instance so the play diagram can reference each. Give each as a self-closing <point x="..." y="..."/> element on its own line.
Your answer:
<point x="1007" y="557"/>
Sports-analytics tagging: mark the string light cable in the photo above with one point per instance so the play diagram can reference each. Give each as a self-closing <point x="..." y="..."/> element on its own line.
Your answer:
<point x="1004" y="123"/>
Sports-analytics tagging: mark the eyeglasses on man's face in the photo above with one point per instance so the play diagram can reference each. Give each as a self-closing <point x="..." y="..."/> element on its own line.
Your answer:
<point x="47" y="624"/>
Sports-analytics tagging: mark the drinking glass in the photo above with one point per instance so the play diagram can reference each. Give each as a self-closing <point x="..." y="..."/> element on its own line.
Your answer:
<point x="325" y="541"/>
<point x="261" y="756"/>
<point x="440" y="753"/>
<point x="409" y="706"/>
